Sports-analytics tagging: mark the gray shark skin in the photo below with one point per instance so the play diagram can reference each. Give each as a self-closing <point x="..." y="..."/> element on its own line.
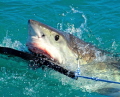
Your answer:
<point x="69" y="51"/>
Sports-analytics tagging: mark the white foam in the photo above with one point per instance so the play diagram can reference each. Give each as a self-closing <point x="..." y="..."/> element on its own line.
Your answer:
<point x="71" y="28"/>
<point x="83" y="25"/>
<point x="7" y="42"/>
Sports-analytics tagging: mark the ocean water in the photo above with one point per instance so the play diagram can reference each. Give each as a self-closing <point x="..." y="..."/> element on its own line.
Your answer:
<point x="94" y="21"/>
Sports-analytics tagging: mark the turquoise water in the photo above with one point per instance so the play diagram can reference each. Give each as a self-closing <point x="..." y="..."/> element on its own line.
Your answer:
<point x="95" y="21"/>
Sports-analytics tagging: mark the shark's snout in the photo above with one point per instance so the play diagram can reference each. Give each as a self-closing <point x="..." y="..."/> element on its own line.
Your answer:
<point x="29" y="21"/>
<point x="34" y="28"/>
<point x="32" y="21"/>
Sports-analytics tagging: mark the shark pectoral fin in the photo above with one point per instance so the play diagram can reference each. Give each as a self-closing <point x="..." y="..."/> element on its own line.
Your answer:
<point x="112" y="92"/>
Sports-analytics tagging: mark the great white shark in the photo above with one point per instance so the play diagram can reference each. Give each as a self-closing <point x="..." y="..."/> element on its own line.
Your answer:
<point x="70" y="52"/>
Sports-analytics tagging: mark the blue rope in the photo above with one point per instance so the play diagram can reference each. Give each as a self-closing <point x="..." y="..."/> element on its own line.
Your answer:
<point x="77" y="74"/>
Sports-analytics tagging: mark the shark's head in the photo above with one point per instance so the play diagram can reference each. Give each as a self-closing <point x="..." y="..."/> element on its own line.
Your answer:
<point x="64" y="47"/>
<point x="47" y="40"/>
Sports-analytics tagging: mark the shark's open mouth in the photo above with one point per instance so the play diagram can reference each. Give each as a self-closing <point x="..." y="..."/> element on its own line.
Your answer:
<point x="35" y="48"/>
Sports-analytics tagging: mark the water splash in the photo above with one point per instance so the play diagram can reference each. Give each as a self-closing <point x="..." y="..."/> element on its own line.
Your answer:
<point x="71" y="28"/>
<point x="7" y="42"/>
<point x="83" y="25"/>
<point x="114" y="46"/>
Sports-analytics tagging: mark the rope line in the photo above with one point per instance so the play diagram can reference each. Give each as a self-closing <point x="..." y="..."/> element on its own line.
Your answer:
<point x="77" y="74"/>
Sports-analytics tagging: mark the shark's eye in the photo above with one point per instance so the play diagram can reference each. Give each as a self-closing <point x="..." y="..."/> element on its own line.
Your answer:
<point x="56" y="37"/>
